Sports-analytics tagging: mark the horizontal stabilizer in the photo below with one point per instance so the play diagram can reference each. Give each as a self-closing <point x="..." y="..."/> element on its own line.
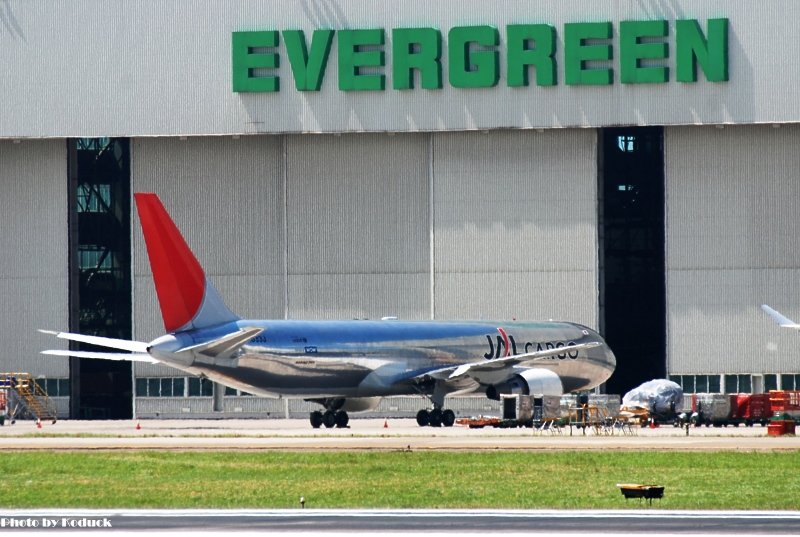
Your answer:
<point x="225" y="346"/>
<point x="779" y="318"/>
<point x="475" y="369"/>
<point x="111" y="343"/>
<point x="119" y="356"/>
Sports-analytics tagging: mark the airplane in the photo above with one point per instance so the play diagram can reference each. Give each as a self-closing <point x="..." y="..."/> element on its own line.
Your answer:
<point x="345" y="366"/>
<point x="779" y="318"/>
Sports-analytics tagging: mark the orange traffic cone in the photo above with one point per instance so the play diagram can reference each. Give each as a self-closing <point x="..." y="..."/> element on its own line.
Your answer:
<point x="138" y="426"/>
<point x="385" y="423"/>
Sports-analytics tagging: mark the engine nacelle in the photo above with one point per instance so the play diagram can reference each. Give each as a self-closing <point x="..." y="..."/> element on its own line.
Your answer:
<point x="529" y="382"/>
<point x="360" y="404"/>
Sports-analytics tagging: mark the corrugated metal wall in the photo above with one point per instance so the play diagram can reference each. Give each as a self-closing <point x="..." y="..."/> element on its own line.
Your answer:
<point x="167" y="68"/>
<point x="516" y="225"/>
<point x="358" y="226"/>
<point x="33" y="255"/>
<point x="733" y="199"/>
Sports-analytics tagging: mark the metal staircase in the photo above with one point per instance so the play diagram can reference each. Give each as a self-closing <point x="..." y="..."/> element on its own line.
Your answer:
<point x="30" y="395"/>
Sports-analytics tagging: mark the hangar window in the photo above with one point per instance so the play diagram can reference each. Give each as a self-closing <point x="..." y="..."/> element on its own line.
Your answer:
<point x="200" y="387"/>
<point x="93" y="198"/>
<point x="626" y="144"/>
<point x="790" y="382"/>
<point x="236" y="393"/>
<point x="770" y="382"/>
<point x="697" y="383"/>
<point x="738" y="384"/>
<point x="54" y="387"/>
<point x="161" y="387"/>
<point x="686" y="382"/>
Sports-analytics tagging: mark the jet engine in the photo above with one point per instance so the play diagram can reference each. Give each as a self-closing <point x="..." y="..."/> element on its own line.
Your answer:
<point x="528" y="382"/>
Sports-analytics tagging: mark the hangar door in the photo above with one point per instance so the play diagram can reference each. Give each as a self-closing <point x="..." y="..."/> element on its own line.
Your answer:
<point x="632" y="274"/>
<point x="100" y="274"/>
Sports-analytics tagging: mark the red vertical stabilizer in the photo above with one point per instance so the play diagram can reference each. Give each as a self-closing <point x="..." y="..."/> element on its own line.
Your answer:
<point x="187" y="298"/>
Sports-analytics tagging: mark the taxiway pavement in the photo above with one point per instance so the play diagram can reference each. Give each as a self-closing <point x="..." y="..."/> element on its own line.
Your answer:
<point x="368" y="434"/>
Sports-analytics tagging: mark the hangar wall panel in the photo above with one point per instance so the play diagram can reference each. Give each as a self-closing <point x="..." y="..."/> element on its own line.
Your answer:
<point x="733" y="201"/>
<point x="227" y="198"/>
<point x="515" y="227"/>
<point x="168" y="67"/>
<point x="358" y="228"/>
<point x="33" y="265"/>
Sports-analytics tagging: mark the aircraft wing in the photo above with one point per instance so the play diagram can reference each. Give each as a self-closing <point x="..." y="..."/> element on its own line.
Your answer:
<point x="222" y="347"/>
<point x="136" y="350"/>
<point x="119" y="344"/>
<point x="120" y="356"/>
<point x="779" y="318"/>
<point x="477" y="369"/>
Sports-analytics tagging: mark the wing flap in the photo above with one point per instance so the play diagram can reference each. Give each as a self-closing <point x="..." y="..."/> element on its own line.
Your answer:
<point x="226" y="345"/>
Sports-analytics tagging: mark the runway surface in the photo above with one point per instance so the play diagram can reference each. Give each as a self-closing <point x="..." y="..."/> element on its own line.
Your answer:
<point x="431" y="522"/>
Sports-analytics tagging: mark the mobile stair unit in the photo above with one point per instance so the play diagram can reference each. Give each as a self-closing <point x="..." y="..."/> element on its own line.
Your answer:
<point x="25" y="396"/>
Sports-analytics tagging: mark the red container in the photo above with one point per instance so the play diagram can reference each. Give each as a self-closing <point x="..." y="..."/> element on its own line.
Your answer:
<point x="780" y="428"/>
<point x="741" y="406"/>
<point x="752" y="408"/>
<point x="759" y="409"/>
<point x="785" y="402"/>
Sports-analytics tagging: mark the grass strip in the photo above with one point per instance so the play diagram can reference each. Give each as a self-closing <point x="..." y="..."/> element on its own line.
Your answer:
<point x="512" y="480"/>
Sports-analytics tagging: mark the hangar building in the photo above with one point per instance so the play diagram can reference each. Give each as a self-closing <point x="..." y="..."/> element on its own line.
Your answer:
<point x="629" y="165"/>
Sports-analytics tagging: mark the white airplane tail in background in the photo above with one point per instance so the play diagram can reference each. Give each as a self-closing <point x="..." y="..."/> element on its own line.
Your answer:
<point x="779" y="318"/>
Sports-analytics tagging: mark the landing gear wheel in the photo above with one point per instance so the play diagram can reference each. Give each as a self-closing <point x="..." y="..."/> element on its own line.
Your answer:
<point x="342" y="419"/>
<point x="329" y="419"/>
<point x="436" y="418"/>
<point x="448" y="418"/>
<point x="423" y="418"/>
<point x="316" y="419"/>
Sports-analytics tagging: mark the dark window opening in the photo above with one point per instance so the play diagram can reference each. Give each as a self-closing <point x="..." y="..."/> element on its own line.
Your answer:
<point x="100" y="273"/>
<point x="632" y="272"/>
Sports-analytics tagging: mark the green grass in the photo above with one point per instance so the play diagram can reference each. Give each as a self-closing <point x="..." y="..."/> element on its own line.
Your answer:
<point x="518" y="480"/>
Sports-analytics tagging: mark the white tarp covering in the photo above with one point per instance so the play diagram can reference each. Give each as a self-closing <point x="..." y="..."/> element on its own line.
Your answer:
<point x="659" y="396"/>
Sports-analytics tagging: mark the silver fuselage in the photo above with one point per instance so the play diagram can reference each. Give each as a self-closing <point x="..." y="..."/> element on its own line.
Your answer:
<point x="314" y="359"/>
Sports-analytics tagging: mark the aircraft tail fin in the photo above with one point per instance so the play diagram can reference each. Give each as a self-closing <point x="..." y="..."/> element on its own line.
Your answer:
<point x="187" y="298"/>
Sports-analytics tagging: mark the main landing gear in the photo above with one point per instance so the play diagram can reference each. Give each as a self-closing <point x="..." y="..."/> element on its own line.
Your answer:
<point x="330" y="419"/>
<point x="436" y="418"/>
<point x="435" y="391"/>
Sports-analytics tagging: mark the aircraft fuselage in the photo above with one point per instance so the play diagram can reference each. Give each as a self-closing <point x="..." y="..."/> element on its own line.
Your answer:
<point x="379" y="358"/>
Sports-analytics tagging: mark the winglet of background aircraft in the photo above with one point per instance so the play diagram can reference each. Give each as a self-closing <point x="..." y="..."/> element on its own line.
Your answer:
<point x="779" y="318"/>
